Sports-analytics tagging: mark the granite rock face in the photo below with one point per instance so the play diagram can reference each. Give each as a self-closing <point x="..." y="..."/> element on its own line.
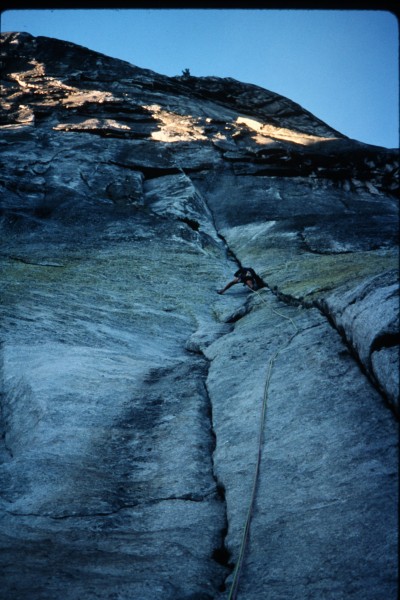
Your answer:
<point x="137" y="405"/>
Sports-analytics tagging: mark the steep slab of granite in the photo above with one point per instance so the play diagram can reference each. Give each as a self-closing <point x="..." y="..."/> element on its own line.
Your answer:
<point x="316" y="245"/>
<point x="107" y="474"/>
<point x="327" y="488"/>
<point x="340" y="285"/>
<point x="131" y="392"/>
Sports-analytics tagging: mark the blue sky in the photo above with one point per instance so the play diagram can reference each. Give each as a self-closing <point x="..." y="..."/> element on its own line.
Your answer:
<point x="341" y="65"/>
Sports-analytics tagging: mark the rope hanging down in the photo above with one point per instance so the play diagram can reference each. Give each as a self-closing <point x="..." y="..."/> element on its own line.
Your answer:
<point x="239" y="564"/>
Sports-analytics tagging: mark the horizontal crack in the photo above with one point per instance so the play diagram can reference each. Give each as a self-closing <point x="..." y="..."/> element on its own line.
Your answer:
<point x="148" y="172"/>
<point x="185" y="498"/>
<point x="43" y="263"/>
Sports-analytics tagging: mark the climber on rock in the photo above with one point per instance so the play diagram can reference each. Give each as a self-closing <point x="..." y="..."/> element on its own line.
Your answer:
<point x="247" y="276"/>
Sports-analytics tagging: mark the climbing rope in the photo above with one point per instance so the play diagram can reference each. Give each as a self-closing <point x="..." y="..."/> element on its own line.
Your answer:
<point x="275" y="311"/>
<point x="239" y="564"/>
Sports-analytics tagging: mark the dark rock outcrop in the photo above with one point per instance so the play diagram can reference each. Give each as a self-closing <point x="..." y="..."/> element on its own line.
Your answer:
<point x="132" y="395"/>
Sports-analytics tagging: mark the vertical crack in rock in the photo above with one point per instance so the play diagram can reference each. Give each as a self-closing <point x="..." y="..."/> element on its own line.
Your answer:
<point x="288" y="300"/>
<point x="221" y="553"/>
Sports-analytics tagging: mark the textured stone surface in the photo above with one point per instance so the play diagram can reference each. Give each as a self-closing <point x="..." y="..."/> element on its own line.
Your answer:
<point x="325" y="476"/>
<point x="131" y="393"/>
<point x="368" y="316"/>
